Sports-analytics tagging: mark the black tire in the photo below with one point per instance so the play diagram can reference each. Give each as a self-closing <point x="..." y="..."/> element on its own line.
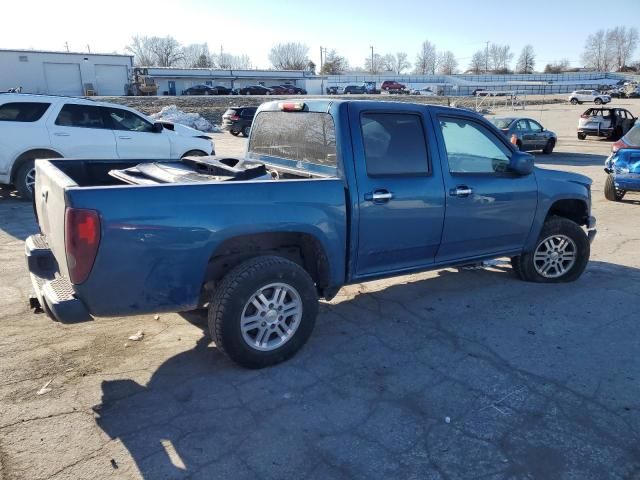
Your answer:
<point x="235" y="133"/>
<point x="519" y="144"/>
<point x="597" y="101"/>
<point x="22" y="182"/>
<point x="195" y="153"/>
<point x="574" y="101"/>
<point x="234" y="292"/>
<point x="245" y="131"/>
<point x="548" y="148"/>
<point x="582" y="136"/>
<point x="556" y="226"/>
<point x="611" y="192"/>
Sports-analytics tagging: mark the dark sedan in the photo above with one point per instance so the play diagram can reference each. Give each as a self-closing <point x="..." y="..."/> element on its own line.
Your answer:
<point x="526" y="133"/>
<point x="199" y="90"/>
<point x="355" y="89"/>
<point x="255" y="90"/>
<point x="293" y="90"/>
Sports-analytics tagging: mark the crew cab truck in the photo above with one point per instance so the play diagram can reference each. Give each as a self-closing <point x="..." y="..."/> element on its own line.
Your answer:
<point x="349" y="191"/>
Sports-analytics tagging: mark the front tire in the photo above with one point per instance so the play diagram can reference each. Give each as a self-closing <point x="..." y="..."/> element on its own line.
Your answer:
<point x="574" y="101"/>
<point x="598" y="101"/>
<point x="263" y="311"/>
<point x="582" y="136"/>
<point x="561" y="253"/>
<point x="548" y="148"/>
<point x="611" y="192"/>
<point x="235" y="133"/>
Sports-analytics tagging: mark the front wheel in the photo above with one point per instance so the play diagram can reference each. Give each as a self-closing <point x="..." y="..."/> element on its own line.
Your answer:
<point x="263" y="311"/>
<point x="548" y="148"/>
<point x="574" y="101"/>
<point x="561" y="253"/>
<point x="598" y="101"/>
<point x="611" y="192"/>
<point x="235" y="133"/>
<point x="582" y="136"/>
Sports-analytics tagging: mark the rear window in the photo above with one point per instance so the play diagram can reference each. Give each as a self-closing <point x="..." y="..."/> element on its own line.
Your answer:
<point x="501" y="122"/>
<point x="83" y="116"/>
<point x="305" y="136"/>
<point x="633" y="136"/>
<point x="22" y="111"/>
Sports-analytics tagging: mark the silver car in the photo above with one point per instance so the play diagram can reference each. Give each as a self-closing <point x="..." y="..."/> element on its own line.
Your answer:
<point x="526" y="133"/>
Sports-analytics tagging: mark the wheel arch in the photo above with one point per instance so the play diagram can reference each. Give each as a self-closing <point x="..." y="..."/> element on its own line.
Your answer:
<point x="574" y="209"/>
<point x="302" y="248"/>
<point x="31" y="154"/>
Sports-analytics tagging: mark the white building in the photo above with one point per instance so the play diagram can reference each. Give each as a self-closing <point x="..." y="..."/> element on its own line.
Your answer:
<point x="64" y="73"/>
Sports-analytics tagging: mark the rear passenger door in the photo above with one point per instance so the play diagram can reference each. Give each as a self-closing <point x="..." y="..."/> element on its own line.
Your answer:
<point x="135" y="137"/>
<point x="79" y="131"/>
<point x="400" y="190"/>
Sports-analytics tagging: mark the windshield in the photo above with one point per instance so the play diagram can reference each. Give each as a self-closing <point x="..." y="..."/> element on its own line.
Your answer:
<point x="501" y="122"/>
<point x="302" y="136"/>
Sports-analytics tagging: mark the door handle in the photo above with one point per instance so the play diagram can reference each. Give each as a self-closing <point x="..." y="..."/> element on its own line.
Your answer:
<point x="122" y="137"/>
<point x="378" y="196"/>
<point x="61" y="134"/>
<point x="460" y="191"/>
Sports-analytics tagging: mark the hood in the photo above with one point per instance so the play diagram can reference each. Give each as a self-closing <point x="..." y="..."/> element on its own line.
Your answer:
<point x="183" y="130"/>
<point x="560" y="175"/>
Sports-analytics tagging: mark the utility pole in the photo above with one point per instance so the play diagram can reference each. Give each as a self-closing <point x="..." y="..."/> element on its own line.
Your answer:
<point x="66" y="45"/>
<point x="371" y="59"/>
<point x="88" y="48"/>
<point x="486" y="60"/>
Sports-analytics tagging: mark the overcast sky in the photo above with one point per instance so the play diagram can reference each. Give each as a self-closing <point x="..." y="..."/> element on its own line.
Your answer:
<point x="557" y="29"/>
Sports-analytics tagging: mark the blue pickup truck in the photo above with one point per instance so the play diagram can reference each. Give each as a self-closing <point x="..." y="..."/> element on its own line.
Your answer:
<point x="328" y="193"/>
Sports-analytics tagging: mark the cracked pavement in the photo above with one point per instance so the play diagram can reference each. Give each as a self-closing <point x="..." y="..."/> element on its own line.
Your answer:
<point x="451" y="374"/>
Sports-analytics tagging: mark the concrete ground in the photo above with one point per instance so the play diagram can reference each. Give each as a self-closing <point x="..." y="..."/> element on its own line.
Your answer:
<point x="449" y="374"/>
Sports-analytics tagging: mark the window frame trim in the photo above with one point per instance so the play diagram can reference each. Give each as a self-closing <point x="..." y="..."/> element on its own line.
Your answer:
<point x="428" y="173"/>
<point x="44" y="113"/>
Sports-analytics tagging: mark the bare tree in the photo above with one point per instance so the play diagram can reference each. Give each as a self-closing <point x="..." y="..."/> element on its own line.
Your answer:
<point x="447" y="63"/>
<point x="397" y="63"/>
<point x="228" y="61"/>
<point x="334" y="64"/>
<point x="426" y="59"/>
<point x="140" y="48"/>
<point x="527" y="60"/>
<point x="197" y="56"/>
<point x="289" y="56"/>
<point x="623" y="42"/>
<point x="597" y="52"/>
<point x="166" y="51"/>
<point x="500" y="57"/>
<point x="558" y="66"/>
<point x="478" y="62"/>
<point x="378" y="63"/>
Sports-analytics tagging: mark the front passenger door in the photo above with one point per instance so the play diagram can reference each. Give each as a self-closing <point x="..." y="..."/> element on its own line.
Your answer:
<point x="135" y="137"/>
<point x="489" y="210"/>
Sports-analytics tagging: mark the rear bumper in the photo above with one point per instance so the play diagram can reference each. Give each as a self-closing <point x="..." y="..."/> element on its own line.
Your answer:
<point x="54" y="293"/>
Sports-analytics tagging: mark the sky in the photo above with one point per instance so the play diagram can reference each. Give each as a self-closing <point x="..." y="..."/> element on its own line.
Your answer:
<point x="556" y="29"/>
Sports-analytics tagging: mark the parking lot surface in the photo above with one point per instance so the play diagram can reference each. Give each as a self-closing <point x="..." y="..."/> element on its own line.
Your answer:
<point x="451" y="374"/>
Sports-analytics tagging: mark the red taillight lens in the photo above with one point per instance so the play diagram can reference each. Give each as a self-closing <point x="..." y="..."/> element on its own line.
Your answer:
<point x="81" y="240"/>
<point x="618" y="145"/>
<point x="234" y="117"/>
<point x="584" y="115"/>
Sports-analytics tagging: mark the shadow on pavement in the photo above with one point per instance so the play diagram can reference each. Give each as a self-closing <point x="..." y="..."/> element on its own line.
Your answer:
<point x="16" y="216"/>
<point x="518" y="368"/>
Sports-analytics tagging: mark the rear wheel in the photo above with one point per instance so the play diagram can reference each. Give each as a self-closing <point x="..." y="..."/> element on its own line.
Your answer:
<point x="263" y="311"/>
<point x="548" y="148"/>
<point x="581" y="136"/>
<point x="598" y="101"/>
<point x="611" y="192"/>
<point x="561" y="253"/>
<point x="235" y="133"/>
<point x="195" y="153"/>
<point x="26" y="180"/>
<point x="574" y="101"/>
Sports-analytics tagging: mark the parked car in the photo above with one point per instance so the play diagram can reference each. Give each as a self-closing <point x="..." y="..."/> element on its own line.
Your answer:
<point x="258" y="239"/>
<point x="199" y="90"/>
<point x="334" y="90"/>
<point x="581" y="96"/>
<point x="354" y="89"/>
<point x="293" y="90"/>
<point x="238" y="120"/>
<point x="623" y="174"/>
<point x="426" y="91"/>
<point x="42" y="126"/>
<point x="480" y="92"/>
<point x="392" y="86"/>
<point x="527" y="133"/>
<point x="221" y="90"/>
<point x="611" y="123"/>
<point x="255" y="90"/>
<point x="630" y="140"/>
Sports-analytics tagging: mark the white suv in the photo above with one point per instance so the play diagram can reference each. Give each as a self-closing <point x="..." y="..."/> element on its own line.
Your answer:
<point x="43" y="126"/>
<point x="580" y="96"/>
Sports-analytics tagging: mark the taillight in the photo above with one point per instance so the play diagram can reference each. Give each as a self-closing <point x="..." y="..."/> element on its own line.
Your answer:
<point x="234" y="117"/>
<point x="584" y="115"/>
<point x="81" y="240"/>
<point x="618" y="145"/>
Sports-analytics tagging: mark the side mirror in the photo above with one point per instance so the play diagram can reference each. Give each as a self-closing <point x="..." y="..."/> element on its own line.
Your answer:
<point x="158" y="127"/>
<point x="521" y="163"/>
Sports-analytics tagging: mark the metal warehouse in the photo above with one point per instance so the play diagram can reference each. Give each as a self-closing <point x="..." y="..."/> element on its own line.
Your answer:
<point x="64" y="73"/>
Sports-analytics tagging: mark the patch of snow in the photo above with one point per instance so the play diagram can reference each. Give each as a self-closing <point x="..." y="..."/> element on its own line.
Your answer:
<point x="171" y="113"/>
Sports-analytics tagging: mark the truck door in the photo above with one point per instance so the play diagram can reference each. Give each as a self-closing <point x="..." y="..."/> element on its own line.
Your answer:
<point x="489" y="210"/>
<point x="400" y="189"/>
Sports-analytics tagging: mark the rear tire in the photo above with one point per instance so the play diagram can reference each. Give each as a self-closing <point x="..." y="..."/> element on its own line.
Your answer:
<point x="598" y="101"/>
<point x="574" y="101"/>
<point x="581" y="136"/>
<point x="195" y="153"/>
<point x="269" y="336"/>
<point x="611" y="192"/>
<point x="548" y="148"/>
<point x="561" y="253"/>
<point x="25" y="180"/>
<point x="235" y="133"/>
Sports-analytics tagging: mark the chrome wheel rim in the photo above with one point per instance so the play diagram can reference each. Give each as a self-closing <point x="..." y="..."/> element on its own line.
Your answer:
<point x="271" y="316"/>
<point x="555" y="256"/>
<point x="30" y="179"/>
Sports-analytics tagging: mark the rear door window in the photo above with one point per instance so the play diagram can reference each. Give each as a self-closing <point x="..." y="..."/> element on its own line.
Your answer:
<point x="301" y="136"/>
<point x="394" y="144"/>
<point x="83" y="116"/>
<point x="22" y="111"/>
